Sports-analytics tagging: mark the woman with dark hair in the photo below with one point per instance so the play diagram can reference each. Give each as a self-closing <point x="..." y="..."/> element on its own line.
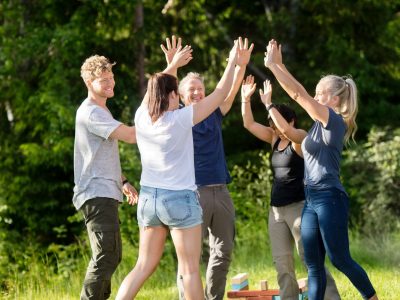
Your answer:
<point x="324" y="226"/>
<point x="287" y="194"/>
<point x="168" y="200"/>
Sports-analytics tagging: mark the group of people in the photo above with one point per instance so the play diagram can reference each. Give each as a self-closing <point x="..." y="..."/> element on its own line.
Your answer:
<point x="183" y="185"/>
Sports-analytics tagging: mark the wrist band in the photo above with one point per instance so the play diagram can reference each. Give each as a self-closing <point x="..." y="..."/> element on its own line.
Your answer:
<point x="270" y="106"/>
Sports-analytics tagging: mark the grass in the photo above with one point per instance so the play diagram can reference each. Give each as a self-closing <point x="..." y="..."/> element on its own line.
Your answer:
<point x="379" y="257"/>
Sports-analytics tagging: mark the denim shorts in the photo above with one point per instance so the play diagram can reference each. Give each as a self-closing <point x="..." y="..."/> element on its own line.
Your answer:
<point x="175" y="209"/>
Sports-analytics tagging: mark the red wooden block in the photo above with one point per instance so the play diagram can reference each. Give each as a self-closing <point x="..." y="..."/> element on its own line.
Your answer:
<point x="254" y="293"/>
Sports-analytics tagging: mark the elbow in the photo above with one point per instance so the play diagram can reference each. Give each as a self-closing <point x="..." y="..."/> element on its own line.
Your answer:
<point x="246" y="124"/>
<point x="132" y="136"/>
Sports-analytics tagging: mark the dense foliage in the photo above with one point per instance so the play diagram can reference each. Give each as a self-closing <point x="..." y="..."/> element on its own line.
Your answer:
<point x="44" y="42"/>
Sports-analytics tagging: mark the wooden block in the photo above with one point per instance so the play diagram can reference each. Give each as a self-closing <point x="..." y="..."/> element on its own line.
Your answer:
<point x="252" y="293"/>
<point x="263" y="285"/>
<point x="244" y="285"/>
<point x="239" y="278"/>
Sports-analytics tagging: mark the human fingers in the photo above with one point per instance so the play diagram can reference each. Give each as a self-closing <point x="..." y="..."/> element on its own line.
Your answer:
<point x="251" y="47"/>
<point x="168" y="43"/>
<point x="173" y="44"/>
<point x="240" y="43"/>
<point x="246" y="43"/>
<point x="179" y="43"/>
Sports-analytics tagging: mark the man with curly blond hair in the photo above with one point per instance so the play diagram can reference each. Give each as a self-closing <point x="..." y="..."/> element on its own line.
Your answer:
<point x="99" y="182"/>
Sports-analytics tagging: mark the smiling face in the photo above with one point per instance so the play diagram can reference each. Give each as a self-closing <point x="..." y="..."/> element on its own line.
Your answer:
<point x="192" y="91"/>
<point x="103" y="86"/>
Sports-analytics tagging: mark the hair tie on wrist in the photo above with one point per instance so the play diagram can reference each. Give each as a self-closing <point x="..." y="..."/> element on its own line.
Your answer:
<point x="270" y="106"/>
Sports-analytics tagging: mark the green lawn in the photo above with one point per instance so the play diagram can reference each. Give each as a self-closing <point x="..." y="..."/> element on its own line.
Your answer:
<point x="380" y="258"/>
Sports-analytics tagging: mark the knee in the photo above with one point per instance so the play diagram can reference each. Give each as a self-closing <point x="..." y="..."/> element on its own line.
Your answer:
<point x="284" y="264"/>
<point x="341" y="263"/>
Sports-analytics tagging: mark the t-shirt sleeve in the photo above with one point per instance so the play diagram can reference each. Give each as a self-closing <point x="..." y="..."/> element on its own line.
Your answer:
<point x="185" y="116"/>
<point x="102" y="123"/>
<point x="335" y="128"/>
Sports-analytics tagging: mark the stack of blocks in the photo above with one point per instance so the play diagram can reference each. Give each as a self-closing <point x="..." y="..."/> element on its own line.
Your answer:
<point x="240" y="290"/>
<point x="240" y="282"/>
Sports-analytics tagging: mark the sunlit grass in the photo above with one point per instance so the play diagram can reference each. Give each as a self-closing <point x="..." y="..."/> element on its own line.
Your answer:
<point x="379" y="257"/>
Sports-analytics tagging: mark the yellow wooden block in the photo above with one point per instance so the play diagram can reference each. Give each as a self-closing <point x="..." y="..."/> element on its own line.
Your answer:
<point x="263" y="285"/>
<point x="239" y="278"/>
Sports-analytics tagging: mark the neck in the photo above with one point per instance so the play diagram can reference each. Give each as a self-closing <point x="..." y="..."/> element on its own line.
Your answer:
<point x="100" y="101"/>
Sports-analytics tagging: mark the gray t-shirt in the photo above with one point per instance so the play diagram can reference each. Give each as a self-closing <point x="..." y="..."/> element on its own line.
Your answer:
<point x="97" y="168"/>
<point x="322" y="150"/>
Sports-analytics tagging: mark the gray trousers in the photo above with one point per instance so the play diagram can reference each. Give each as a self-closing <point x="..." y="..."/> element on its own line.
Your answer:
<point x="102" y="224"/>
<point x="284" y="233"/>
<point x="219" y="227"/>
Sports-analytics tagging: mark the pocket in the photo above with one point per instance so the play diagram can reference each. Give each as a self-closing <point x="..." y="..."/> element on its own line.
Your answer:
<point x="178" y="206"/>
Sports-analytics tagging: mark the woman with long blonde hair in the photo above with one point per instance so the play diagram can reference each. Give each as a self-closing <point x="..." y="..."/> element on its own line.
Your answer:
<point x="324" y="226"/>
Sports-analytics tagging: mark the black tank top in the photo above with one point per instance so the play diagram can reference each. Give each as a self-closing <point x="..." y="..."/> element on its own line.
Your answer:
<point x="288" y="173"/>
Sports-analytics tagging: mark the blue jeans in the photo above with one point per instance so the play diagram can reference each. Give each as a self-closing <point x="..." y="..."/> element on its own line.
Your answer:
<point x="324" y="229"/>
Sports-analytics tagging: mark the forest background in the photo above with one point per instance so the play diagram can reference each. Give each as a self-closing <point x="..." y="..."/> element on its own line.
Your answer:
<point x="43" y="43"/>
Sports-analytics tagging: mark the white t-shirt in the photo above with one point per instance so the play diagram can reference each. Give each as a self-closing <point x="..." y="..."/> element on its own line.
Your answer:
<point x="166" y="149"/>
<point x="97" y="169"/>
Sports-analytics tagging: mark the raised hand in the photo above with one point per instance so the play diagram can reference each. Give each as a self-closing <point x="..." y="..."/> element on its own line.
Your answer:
<point x="267" y="93"/>
<point x="171" y="48"/>
<point x="248" y="88"/>
<point x="273" y="54"/>
<point x="182" y="57"/>
<point x="233" y="54"/>
<point x="244" y="52"/>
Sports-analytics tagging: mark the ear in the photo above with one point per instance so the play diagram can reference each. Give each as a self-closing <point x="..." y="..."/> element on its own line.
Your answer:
<point x="291" y="123"/>
<point x="88" y="83"/>
<point x="336" y="101"/>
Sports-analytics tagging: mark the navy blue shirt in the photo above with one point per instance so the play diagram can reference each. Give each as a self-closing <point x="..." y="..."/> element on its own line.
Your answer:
<point x="322" y="151"/>
<point x="209" y="154"/>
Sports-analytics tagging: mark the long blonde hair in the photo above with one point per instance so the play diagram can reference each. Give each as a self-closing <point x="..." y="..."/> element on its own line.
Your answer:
<point x="345" y="88"/>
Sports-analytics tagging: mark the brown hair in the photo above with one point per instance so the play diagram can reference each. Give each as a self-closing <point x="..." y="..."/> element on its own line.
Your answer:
<point x="159" y="87"/>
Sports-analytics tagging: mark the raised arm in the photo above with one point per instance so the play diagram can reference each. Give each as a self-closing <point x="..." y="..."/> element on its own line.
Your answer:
<point x="176" y="57"/>
<point x="288" y="130"/>
<point x="294" y="89"/>
<point x="262" y="132"/>
<point x="204" y="108"/>
<point x="244" y="57"/>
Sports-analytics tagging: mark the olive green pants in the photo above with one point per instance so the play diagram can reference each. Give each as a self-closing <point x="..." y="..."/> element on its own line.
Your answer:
<point x="102" y="224"/>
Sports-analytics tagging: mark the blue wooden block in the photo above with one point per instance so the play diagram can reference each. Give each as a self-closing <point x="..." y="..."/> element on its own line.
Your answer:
<point x="238" y="287"/>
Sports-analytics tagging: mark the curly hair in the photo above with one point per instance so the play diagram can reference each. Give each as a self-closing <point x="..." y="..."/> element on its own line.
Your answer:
<point x="94" y="66"/>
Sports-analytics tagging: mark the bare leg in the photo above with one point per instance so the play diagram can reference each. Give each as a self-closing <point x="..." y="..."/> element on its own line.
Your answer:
<point x="188" y="247"/>
<point x="151" y="247"/>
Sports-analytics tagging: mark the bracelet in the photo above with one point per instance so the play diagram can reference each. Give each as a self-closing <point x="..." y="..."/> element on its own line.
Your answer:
<point x="270" y="106"/>
<point x="125" y="181"/>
